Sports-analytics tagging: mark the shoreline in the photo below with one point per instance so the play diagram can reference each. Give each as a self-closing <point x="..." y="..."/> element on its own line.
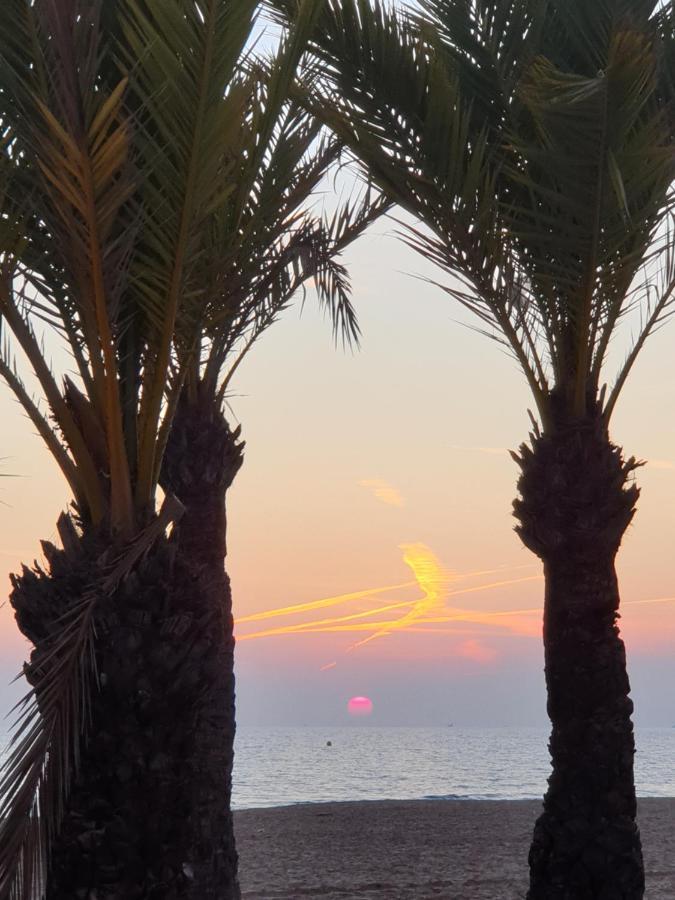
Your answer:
<point x="414" y="849"/>
<point x="449" y="798"/>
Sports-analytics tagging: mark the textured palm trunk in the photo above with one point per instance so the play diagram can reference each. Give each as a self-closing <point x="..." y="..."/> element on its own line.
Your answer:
<point x="575" y="507"/>
<point x="201" y="460"/>
<point x="148" y="815"/>
<point x="126" y="830"/>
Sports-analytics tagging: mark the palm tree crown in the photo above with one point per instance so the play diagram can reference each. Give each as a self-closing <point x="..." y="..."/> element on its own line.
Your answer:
<point x="153" y="175"/>
<point x="533" y="141"/>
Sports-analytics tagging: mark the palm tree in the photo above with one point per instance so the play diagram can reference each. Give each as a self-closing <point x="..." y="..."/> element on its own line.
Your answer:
<point x="122" y="126"/>
<point x="532" y="140"/>
<point x="272" y="243"/>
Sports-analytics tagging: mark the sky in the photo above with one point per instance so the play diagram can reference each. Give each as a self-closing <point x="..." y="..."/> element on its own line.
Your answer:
<point x="376" y="496"/>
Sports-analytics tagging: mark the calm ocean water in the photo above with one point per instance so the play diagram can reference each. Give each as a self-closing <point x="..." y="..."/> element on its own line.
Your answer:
<point x="279" y="766"/>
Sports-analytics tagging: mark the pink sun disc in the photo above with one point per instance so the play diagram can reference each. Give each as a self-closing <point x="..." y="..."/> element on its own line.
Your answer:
<point x="360" y="706"/>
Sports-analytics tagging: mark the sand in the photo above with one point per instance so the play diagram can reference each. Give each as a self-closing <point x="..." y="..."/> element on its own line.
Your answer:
<point x="457" y="850"/>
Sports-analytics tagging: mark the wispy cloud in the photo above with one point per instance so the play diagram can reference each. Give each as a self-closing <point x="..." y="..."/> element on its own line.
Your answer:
<point x="476" y="651"/>
<point x="651" y="600"/>
<point x="660" y="464"/>
<point x="432" y="613"/>
<point x="321" y="604"/>
<point x="384" y="491"/>
<point x="432" y="579"/>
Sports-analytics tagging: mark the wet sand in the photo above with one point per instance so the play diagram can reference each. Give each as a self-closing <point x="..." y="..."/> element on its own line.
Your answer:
<point x="414" y="849"/>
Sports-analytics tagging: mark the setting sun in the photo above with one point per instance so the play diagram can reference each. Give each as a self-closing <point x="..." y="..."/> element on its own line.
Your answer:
<point x="360" y="707"/>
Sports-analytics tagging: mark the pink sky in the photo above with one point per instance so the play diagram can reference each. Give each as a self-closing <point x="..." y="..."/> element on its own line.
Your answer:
<point x="352" y="457"/>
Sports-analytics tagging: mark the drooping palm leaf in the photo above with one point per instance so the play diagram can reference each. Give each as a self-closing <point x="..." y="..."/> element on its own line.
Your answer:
<point x="184" y="57"/>
<point x="54" y="716"/>
<point x="103" y="230"/>
<point x="153" y="189"/>
<point x="533" y="142"/>
<point x="265" y="240"/>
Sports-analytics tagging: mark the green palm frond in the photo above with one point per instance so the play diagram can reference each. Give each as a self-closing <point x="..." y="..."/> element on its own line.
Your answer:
<point x="155" y="191"/>
<point x="532" y="140"/>
<point x="122" y="118"/>
<point x="103" y="227"/>
<point x="71" y="137"/>
<point x="184" y="57"/>
<point x="265" y="241"/>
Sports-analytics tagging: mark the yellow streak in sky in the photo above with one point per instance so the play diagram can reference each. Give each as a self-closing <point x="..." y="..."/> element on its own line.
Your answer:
<point x="461" y="575"/>
<point x="384" y="491"/>
<point x="654" y="600"/>
<point x="496" y="584"/>
<point x="389" y="627"/>
<point x="292" y="629"/>
<point x="423" y="616"/>
<point x="319" y="604"/>
<point x="369" y="592"/>
<point x="432" y="579"/>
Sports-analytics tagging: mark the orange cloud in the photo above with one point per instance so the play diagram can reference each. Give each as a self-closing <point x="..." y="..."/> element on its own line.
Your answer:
<point x="383" y="491"/>
<point x="476" y="651"/>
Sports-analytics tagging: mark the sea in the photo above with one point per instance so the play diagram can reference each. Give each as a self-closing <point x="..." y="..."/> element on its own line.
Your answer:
<point x="281" y="766"/>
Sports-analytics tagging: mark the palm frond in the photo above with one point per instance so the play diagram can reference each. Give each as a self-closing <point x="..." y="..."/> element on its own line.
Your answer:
<point x="74" y="138"/>
<point x="533" y="140"/>
<point x="264" y="241"/>
<point x="53" y="718"/>
<point x="44" y="753"/>
<point x="183" y="59"/>
<point x="10" y="372"/>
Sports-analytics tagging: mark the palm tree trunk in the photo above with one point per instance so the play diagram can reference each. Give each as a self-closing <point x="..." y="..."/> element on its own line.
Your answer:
<point x="202" y="458"/>
<point x="575" y="508"/>
<point x="148" y="815"/>
<point x="127" y="827"/>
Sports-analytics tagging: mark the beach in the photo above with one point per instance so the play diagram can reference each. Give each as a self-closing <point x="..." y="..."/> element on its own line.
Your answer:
<point x="421" y="849"/>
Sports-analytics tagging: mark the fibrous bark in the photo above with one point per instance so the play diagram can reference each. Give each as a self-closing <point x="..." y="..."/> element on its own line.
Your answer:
<point x="124" y="831"/>
<point x="148" y="815"/>
<point x="576" y="503"/>
<point x="202" y="458"/>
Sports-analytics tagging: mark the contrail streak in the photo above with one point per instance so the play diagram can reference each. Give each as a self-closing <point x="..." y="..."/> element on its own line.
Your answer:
<point x="421" y="616"/>
<point x="319" y="604"/>
<point x="389" y="627"/>
<point x="290" y="629"/>
<point x="431" y="578"/>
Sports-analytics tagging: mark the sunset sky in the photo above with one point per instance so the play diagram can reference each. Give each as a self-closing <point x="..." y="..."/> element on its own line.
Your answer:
<point x="376" y="497"/>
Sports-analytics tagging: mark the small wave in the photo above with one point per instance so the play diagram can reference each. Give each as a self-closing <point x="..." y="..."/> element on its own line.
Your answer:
<point x="486" y="797"/>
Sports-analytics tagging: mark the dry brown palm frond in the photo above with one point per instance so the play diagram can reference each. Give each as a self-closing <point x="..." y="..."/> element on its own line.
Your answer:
<point x="53" y="718"/>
